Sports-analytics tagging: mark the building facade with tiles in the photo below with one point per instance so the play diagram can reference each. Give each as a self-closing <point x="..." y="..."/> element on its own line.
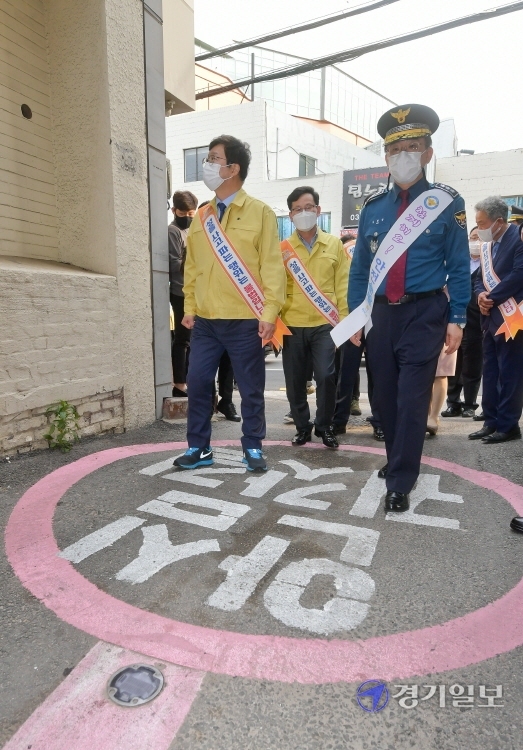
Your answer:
<point x="82" y="209"/>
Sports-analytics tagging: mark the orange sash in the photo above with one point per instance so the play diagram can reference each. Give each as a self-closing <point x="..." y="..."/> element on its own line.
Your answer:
<point x="237" y="271"/>
<point x="510" y="310"/>
<point x="306" y="284"/>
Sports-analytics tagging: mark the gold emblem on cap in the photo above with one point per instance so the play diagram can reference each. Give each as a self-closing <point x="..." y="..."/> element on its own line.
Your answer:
<point x="400" y="115"/>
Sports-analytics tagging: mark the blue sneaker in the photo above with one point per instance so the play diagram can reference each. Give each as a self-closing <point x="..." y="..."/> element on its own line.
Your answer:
<point x="254" y="459"/>
<point x="194" y="457"/>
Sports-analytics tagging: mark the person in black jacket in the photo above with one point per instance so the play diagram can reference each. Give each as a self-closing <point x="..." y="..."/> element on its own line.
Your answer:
<point x="184" y="208"/>
<point x="469" y="363"/>
<point x="502" y="355"/>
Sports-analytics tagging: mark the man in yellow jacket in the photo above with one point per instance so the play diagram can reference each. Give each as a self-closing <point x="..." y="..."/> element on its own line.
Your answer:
<point x="221" y="317"/>
<point x="317" y="277"/>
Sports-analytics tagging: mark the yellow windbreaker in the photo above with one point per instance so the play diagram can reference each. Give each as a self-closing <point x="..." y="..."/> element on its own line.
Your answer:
<point x="252" y="229"/>
<point x="329" y="267"/>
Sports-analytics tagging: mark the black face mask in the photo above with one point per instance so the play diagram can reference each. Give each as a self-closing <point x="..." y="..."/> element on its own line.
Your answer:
<point x="182" y="222"/>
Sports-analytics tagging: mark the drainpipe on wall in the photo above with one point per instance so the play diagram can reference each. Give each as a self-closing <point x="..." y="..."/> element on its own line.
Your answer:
<point x="156" y="179"/>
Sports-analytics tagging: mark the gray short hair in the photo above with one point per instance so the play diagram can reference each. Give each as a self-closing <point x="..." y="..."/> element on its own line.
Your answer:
<point x="494" y="206"/>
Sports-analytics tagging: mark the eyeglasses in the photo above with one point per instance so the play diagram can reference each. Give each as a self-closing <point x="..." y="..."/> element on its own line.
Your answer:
<point x="397" y="148"/>
<point x="215" y="160"/>
<point x="308" y="207"/>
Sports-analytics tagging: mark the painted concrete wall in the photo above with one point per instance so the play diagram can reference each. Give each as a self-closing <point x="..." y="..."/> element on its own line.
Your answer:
<point x="125" y="73"/>
<point x="481" y="175"/>
<point x="256" y="123"/>
<point x="78" y="323"/>
<point x="178" y="44"/>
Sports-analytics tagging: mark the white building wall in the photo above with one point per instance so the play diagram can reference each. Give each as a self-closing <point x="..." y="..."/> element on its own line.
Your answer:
<point x="480" y="175"/>
<point x="256" y="123"/>
<point x="292" y="137"/>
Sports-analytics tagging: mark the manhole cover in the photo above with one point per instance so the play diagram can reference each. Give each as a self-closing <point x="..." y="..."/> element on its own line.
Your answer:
<point x="135" y="685"/>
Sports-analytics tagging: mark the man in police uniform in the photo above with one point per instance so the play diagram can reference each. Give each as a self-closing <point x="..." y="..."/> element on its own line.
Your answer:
<point x="323" y="257"/>
<point x="412" y="317"/>
<point x="215" y="310"/>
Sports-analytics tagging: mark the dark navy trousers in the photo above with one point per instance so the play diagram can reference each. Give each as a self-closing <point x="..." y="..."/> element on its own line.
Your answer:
<point x="348" y="378"/>
<point x="403" y="347"/>
<point x="502" y="400"/>
<point x="209" y="340"/>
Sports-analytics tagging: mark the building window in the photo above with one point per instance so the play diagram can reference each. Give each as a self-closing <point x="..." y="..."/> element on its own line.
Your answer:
<point x="514" y="200"/>
<point x="192" y="159"/>
<point x="307" y="166"/>
<point x="286" y="227"/>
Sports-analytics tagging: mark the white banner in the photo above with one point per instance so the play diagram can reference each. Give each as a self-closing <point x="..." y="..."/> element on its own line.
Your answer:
<point x="406" y="230"/>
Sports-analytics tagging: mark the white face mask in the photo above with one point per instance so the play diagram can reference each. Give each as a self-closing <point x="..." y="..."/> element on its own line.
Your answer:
<point x="211" y="175"/>
<point x="487" y="235"/>
<point x="405" y="166"/>
<point x="305" y="220"/>
<point x="474" y="248"/>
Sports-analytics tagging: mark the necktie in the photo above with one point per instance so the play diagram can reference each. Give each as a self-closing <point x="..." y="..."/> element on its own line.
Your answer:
<point x="395" y="288"/>
<point x="221" y="208"/>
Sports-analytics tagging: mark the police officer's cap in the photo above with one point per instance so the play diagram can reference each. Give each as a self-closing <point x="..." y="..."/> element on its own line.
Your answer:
<point x="516" y="213"/>
<point x="407" y="121"/>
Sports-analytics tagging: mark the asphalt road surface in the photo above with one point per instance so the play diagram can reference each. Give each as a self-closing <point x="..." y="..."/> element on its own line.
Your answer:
<point x="285" y="610"/>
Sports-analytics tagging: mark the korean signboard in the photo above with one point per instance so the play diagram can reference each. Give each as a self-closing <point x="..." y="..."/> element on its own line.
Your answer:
<point x="358" y="184"/>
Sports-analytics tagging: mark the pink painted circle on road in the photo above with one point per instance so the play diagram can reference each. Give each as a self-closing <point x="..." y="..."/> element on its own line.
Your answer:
<point x="33" y="553"/>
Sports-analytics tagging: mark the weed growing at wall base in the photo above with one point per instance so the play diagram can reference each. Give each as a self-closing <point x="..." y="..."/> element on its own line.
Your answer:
<point x="63" y="430"/>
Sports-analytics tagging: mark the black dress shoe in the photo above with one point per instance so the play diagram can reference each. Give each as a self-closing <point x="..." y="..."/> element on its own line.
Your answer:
<point x="382" y="473"/>
<point x="468" y="412"/>
<point x="328" y="438"/>
<point x="378" y="434"/>
<point x="517" y="524"/>
<point x="339" y="429"/>
<point x="479" y="417"/>
<point x="482" y="433"/>
<point x="453" y="410"/>
<point x="178" y="393"/>
<point x="228" y="411"/>
<point x="302" y="437"/>
<point x="503" y="437"/>
<point x="397" y="502"/>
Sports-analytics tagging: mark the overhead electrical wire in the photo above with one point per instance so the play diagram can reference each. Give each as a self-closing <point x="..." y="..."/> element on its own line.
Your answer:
<point x="352" y="54"/>
<point x="292" y="30"/>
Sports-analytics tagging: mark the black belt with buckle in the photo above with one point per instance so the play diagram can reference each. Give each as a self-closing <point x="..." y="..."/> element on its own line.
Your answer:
<point x="384" y="300"/>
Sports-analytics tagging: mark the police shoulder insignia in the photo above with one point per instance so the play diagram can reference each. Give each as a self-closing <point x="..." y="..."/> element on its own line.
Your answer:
<point x="375" y="195"/>
<point x="461" y="219"/>
<point x="446" y="188"/>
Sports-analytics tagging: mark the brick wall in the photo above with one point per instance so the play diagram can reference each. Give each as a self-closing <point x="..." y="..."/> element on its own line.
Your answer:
<point x="24" y="432"/>
<point x="59" y="334"/>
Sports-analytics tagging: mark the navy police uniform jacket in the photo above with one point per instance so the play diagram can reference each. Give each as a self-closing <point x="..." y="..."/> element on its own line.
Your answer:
<point x="508" y="265"/>
<point x="439" y="256"/>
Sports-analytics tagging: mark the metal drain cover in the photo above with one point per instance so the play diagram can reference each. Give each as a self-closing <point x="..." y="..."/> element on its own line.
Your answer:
<point x="135" y="685"/>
